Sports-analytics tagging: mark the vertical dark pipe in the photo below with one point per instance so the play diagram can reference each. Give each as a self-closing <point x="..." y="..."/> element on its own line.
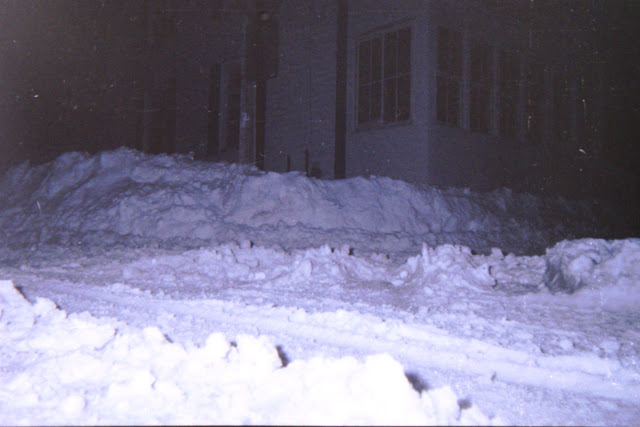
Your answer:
<point x="341" y="91"/>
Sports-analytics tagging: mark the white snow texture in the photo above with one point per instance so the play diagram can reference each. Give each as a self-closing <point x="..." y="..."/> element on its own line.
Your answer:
<point x="139" y="289"/>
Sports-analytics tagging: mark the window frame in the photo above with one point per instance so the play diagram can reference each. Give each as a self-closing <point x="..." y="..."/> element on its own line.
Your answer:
<point x="535" y="100"/>
<point x="509" y="126"/>
<point x="383" y="77"/>
<point x="481" y="86"/>
<point x="449" y="106"/>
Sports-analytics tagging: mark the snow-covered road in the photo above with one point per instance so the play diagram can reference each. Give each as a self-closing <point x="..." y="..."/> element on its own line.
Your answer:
<point x="144" y="289"/>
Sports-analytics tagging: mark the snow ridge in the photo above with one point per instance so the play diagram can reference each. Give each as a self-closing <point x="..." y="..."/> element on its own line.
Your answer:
<point x="126" y="196"/>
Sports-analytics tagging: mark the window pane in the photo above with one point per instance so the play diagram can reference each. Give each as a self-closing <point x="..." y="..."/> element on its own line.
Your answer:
<point x="364" y="98"/>
<point x="404" y="98"/>
<point x="484" y="109"/>
<point x="480" y="71"/>
<point x="479" y="109"/>
<point x="376" y="59"/>
<point x="443" y="49"/>
<point x="509" y="84"/>
<point x="509" y="69"/>
<point x="453" y="102"/>
<point x="390" y="54"/>
<point x="561" y="107"/>
<point x="390" y="100"/>
<point x="441" y="99"/>
<point x="507" y="116"/>
<point x="456" y="53"/>
<point x="404" y="51"/>
<point x="515" y="69"/>
<point x="376" y="100"/>
<point x="504" y="69"/>
<point x="364" y="62"/>
<point x="535" y="102"/>
<point x="382" y="95"/>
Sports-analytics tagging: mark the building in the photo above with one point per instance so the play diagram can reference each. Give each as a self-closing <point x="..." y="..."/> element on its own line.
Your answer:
<point x="447" y="93"/>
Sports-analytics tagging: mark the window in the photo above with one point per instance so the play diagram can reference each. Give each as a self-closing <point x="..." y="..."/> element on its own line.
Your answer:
<point x="534" y="103"/>
<point x="587" y="120"/>
<point x="480" y="88"/>
<point x="213" y="112"/>
<point x="384" y="78"/>
<point x="163" y="25"/>
<point x="223" y="115"/>
<point x="508" y="94"/>
<point x="233" y="86"/>
<point x="449" y="76"/>
<point x="561" y="106"/>
<point x="490" y="4"/>
<point x="163" y="119"/>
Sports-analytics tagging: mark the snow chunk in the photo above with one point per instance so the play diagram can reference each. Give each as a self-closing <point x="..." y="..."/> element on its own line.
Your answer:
<point x="606" y="272"/>
<point x="15" y="311"/>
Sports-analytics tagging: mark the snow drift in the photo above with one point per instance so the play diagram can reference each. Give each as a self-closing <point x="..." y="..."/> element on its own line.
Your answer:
<point x="123" y="194"/>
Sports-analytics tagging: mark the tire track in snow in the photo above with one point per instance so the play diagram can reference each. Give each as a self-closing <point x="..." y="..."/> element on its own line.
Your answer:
<point x="415" y="344"/>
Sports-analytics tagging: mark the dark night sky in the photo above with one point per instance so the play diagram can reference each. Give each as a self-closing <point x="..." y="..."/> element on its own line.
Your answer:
<point x="65" y="64"/>
<point x="68" y="69"/>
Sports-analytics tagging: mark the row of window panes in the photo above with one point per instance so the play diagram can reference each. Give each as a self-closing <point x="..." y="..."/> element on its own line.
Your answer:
<point x="449" y="86"/>
<point x="384" y="84"/>
<point x="481" y="79"/>
<point x="384" y="77"/>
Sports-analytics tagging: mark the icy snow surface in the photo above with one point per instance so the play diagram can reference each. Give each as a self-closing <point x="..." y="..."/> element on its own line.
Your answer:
<point x="158" y="289"/>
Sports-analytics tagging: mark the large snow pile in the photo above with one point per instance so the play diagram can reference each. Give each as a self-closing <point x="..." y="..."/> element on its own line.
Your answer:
<point x="151" y="380"/>
<point x="159" y="289"/>
<point x="105" y="198"/>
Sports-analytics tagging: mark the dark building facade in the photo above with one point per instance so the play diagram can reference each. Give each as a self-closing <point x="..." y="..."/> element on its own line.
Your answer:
<point x="532" y="95"/>
<point x="449" y="93"/>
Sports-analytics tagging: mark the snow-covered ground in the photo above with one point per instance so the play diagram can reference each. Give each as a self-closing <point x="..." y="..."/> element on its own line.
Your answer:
<point x="159" y="289"/>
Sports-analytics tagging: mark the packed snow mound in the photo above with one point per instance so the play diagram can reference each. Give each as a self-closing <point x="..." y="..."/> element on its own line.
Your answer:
<point x="606" y="270"/>
<point x="107" y="198"/>
<point x="103" y="371"/>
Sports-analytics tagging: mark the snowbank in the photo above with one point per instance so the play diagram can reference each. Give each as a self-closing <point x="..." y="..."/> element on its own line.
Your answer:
<point x="77" y="369"/>
<point x="382" y="310"/>
<point x="125" y="197"/>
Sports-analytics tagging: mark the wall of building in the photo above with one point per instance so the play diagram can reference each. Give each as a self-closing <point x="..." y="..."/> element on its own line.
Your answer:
<point x="457" y="155"/>
<point x="206" y="34"/>
<point x="300" y="111"/>
<point x="399" y="150"/>
<point x="426" y="150"/>
<point x="300" y="106"/>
